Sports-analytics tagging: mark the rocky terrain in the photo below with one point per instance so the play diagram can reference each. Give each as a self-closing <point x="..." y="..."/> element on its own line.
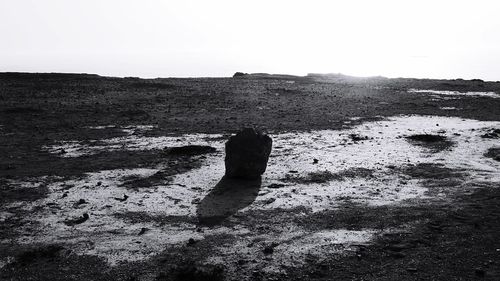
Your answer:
<point x="106" y="178"/>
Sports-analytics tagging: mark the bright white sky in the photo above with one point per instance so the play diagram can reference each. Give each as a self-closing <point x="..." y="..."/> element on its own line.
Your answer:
<point x="182" y="38"/>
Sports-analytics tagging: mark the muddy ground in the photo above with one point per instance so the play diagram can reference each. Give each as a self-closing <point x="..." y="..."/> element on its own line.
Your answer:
<point x="369" y="179"/>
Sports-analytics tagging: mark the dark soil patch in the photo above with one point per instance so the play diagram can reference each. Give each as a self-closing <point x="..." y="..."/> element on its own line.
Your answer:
<point x="47" y="252"/>
<point x="23" y="110"/>
<point x="55" y="263"/>
<point x="37" y="163"/>
<point x="355" y="173"/>
<point x="191" y="272"/>
<point x="134" y="182"/>
<point x="186" y="262"/>
<point x="313" y="177"/>
<point x="445" y="243"/>
<point x="492" y="134"/>
<point x="190" y="150"/>
<point x="135" y="114"/>
<point x="435" y="143"/>
<point x="327" y="176"/>
<point x="141" y="217"/>
<point x="9" y="227"/>
<point x="11" y="193"/>
<point x="150" y="86"/>
<point x="427" y="138"/>
<point x="431" y="171"/>
<point x="174" y="165"/>
<point x="436" y="177"/>
<point x="494" y="153"/>
<point x="357" y="217"/>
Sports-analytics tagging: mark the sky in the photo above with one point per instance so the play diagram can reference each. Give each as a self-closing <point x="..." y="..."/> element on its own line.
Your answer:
<point x="201" y="38"/>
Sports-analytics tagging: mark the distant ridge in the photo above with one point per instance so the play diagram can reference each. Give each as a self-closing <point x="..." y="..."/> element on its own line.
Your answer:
<point x="310" y="77"/>
<point x="267" y="76"/>
<point x="339" y="78"/>
<point x="45" y="75"/>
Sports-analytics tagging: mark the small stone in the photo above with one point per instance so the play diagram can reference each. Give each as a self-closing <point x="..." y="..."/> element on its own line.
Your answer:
<point x="412" y="269"/>
<point x="276" y="185"/>
<point x="80" y="220"/>
<point x="268" y="250"/>
<point x="269" y="201"/>
<point x="125" y="197"/>
<point x="143" y="230"/>
<point x="479" y="272"/>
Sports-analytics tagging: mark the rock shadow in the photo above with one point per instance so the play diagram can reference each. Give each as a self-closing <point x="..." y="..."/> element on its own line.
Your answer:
<point x="227" y="197"/>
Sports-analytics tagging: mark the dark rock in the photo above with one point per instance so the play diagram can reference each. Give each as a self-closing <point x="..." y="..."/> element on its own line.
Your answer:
<point x="80" y="220"/>
<point x="125" y="197"/>
<point x="356" y="137"/>
<point x="269" y="249"/>
<point x="247" y="154"/>
<point x="143" y="230"/>
<point x="412" y="269"/>
<point x="480" y="272"/>
<point x="492" y="134"/>
<point x="276" y="185"/>
<point x="269" y="201"/>
<point x="81" y="201"/>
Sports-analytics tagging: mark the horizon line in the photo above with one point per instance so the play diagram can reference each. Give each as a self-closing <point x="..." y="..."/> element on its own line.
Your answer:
<point x="309" y="74"/>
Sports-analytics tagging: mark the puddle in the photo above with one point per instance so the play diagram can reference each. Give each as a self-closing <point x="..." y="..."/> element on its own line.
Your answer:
<point x="378" y="147"/>
<point x="454" y="94"/>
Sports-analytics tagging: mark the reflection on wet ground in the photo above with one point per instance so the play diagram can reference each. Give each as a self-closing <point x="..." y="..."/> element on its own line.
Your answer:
<point x="455" y="94"/>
